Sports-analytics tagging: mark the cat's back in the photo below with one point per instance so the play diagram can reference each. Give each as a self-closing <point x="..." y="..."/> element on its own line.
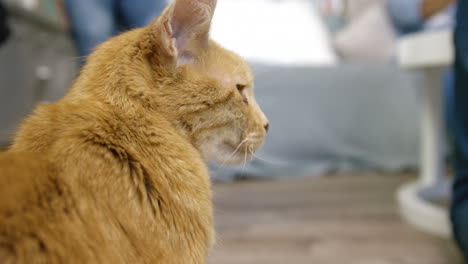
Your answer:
<point x="23" y="176"/>
<point x="32" y="200"/>
<point x="41" y="208"/>
<point x="42" y="218"/>
<point x="49" y="123"/>
<point x="81" y="148"/>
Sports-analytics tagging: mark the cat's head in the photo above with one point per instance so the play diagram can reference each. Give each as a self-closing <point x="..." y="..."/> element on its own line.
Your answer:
<point x="207" y="90"/>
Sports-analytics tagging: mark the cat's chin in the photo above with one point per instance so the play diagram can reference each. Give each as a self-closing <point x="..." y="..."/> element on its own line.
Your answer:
<point x="226" y="154"/>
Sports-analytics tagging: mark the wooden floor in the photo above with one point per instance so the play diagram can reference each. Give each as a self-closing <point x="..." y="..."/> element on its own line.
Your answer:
<point x="331" y="220"/>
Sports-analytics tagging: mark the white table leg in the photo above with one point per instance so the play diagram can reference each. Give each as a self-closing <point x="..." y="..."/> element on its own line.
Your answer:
<point x="428" y="51"/>
<point x="432" y="133"/>
<point x="416" y="199"/>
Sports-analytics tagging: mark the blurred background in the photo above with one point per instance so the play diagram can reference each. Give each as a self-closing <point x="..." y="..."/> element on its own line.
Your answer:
<point x="356" y="167"/>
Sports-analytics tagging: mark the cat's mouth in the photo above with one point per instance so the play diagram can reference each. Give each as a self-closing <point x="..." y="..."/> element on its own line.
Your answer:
<point x="241" y="152"/>
<point x="231" y="150"/>
<point x="236" y="154"/>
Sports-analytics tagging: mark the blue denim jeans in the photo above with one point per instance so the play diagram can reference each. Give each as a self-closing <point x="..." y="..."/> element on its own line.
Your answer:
<point x="459" y="114"/>
<point x="406" y="15"/>
<point x="94" y="21"/>
<point x="407" y="18"/>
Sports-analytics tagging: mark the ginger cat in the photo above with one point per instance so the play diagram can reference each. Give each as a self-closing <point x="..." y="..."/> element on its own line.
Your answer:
<point x="114" y="172"/>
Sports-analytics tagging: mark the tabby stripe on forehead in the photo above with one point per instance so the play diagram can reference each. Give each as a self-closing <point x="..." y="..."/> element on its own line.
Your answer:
<point x="223" y="100"/>
<point x="208" y="106"/>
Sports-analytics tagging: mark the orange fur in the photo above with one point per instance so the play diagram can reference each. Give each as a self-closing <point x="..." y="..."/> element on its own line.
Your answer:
<point x="114" y="172"/>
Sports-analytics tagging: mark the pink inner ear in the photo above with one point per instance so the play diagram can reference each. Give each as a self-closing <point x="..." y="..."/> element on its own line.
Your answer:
<point x="181" y="22"/>
<point x="191" y="21"/>
<point x="168" y="41"/>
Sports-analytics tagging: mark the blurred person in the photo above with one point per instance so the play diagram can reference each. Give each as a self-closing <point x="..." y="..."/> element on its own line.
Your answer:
<point x="94" y="21"/>
<point x="412" y="16"/>
<point x="459" y="213"/>
<point x="409" y="16"/>
<point x="388" y="19"/>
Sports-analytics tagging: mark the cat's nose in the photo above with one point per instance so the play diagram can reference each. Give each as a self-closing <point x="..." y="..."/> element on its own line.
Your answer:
<point x="267" y="127"/>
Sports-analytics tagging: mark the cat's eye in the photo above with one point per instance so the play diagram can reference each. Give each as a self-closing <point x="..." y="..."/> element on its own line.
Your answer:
<point x="240" y="88"/>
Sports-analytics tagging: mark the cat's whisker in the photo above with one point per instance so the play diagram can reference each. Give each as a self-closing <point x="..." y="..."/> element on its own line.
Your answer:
<point x="249" y="151"/>
<point x="262" y="159"/>
<point x="245" y="161"/>
<point x="232" y="154"/>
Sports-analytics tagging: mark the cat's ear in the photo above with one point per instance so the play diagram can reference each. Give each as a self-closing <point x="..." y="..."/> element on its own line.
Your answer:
<point x="182" y="30"/>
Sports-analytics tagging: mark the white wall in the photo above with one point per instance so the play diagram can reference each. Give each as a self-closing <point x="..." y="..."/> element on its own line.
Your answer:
<point x="273" y="31"/>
